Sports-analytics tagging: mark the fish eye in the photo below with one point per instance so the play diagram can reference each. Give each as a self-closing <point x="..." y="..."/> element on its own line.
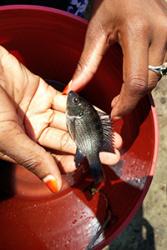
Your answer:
<point x="81" y="113"/>
<point x="75" y="100"/>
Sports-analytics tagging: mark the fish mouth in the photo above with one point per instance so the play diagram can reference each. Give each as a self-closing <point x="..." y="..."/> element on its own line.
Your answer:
<point x="72" y="94"/>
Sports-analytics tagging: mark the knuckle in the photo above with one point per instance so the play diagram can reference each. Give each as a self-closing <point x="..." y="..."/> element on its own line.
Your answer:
<point x="34" y="164"/>
<point x="136" y="25"/>
<point x="31" y="163"/>
<point x="138" y="86"/>
<point x="142" y="26"/>
<point x="90" y="34"/>
<point x="64" y="142"/>
<point x="153" y="83"/>
<point x="84" y="67"/>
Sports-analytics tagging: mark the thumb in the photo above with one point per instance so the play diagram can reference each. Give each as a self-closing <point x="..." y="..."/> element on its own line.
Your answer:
<point x="92" y="54"/>
<point x="18" y="146"/>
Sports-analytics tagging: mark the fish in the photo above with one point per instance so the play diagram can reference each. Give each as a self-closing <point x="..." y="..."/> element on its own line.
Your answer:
<point x="91" y="130"/>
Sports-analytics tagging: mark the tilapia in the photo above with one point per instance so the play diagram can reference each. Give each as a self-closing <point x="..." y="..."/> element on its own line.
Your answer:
<point x="91" y="130"/>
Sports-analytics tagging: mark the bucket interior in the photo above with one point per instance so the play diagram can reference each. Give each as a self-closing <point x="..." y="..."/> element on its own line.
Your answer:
<point x="49" y="43"/>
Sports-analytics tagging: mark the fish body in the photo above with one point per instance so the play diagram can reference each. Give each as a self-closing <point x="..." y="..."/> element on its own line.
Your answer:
<point x="91" y="130"/>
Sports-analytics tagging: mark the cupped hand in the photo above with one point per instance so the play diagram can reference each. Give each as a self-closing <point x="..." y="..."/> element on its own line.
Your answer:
<point x="32" y="119"/>
<point x="140" y="27"/>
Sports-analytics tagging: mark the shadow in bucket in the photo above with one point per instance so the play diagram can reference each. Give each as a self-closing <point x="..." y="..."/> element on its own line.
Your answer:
<point x="139" y="235"/>
<point x="7" y="180"/>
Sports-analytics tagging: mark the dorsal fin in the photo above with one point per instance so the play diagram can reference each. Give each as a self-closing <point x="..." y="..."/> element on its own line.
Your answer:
<point x="108" y="138"/>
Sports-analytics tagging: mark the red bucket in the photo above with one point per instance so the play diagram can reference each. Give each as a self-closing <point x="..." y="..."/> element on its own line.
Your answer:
<point x="49" y="43"/>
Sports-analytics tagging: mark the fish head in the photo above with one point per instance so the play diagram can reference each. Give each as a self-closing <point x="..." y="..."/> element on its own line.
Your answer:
<point x="76" y="105"/>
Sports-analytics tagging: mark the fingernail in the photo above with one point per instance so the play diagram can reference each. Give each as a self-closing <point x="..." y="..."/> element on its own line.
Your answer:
<point x="116" y="118"/>
<point x="51" y="183"/>
<point x="67" y="88"/>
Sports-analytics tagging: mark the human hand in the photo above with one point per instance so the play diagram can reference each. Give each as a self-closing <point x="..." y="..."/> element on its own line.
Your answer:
<point x="140" y="27"/>
<point x="32" y="116"/>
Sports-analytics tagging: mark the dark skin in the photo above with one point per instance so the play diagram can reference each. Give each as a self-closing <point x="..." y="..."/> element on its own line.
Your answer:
<point x="142" y="37"/>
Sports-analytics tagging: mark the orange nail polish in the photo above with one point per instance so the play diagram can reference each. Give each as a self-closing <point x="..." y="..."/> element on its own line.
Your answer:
<point x="65" y="91"/>
<point x="51" y="183"/>
<point x="67" y="88"/>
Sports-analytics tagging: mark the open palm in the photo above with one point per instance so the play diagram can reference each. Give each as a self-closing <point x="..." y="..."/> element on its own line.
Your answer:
<point x="33" y="114"/>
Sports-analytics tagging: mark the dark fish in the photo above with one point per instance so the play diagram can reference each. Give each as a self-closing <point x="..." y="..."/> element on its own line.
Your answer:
<point x="91" y="130"/>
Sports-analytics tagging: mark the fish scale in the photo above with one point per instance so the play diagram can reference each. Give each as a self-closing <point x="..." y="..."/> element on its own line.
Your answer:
<point x="83" y="140"/>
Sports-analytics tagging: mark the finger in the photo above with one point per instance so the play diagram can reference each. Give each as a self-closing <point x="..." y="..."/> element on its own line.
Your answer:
<point x="18" y="146"/>
<point x="109" y="158"/>
<point x="92" y="54"/>
<point x="65" y="163"/>
<point x="112" y="158"/>
<point x="117" y="140"/>
<point x="5" y="157"/>
<point x="59" y="103"/>
<point x="114" y="101"/>
<point x="156" y="58"/>
<point x="57" y="139"/>
<point x="135" y="67"/>
<point x="59" y="121"/>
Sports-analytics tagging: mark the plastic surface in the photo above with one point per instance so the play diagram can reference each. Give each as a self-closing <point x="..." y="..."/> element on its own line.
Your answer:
<point x="49" y="43"/>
